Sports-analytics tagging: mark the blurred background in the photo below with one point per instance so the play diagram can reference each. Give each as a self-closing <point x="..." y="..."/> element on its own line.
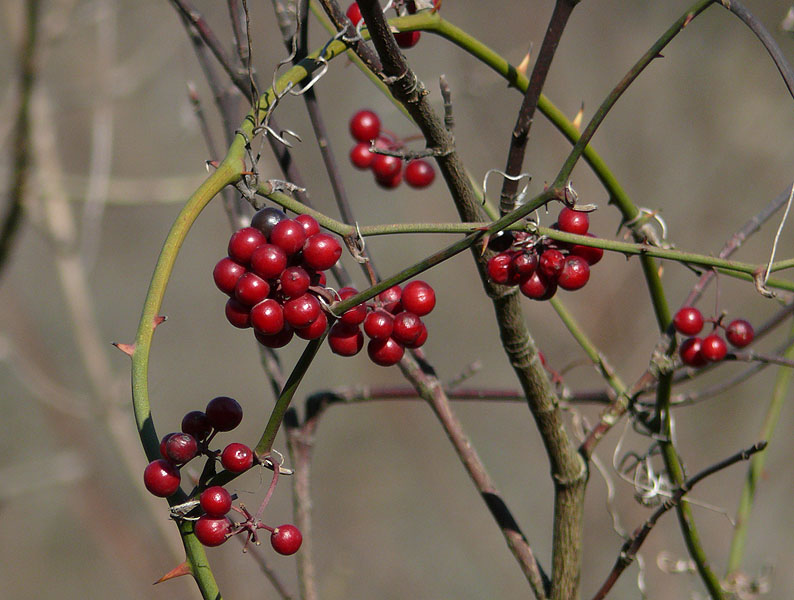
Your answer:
<point x="704" y="136"/>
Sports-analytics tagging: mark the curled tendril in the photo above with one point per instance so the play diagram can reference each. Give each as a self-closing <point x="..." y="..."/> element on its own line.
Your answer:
<point x="521" y="195"/>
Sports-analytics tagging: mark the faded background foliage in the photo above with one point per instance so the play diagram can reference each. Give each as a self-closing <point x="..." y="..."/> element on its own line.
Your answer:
<point x="705" y="136"/>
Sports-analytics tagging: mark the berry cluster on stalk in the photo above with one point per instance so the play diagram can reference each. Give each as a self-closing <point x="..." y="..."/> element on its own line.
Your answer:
<point x="365" y="127"/>
<point x="212" y="526"/>
<point x="539" y="267"/>
<point x="392" y="323"/>
<point x="698" y="352"/>
<point x="274" y="276"/>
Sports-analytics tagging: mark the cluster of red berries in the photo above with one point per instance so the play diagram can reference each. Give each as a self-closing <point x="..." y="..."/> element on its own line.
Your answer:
<point x="539" y="267"/>
<point x="404" y="39"/>
<point x="696" y="351"/>
<point x="388" y="170"/>
<point x="273" y="275"/>
<point x="393" y="323"/>
<point x="162" y="478"/>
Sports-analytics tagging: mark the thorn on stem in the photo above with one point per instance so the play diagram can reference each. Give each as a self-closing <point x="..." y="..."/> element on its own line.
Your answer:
<point x="127" y="349"/>
<point x="178" y="571"/>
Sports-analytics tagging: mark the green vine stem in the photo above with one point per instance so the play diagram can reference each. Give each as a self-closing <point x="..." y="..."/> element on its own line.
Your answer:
<point x="779" y="397"/>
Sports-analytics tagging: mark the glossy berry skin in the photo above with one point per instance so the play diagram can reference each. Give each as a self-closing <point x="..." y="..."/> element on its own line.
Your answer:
<point x="310" y="224"/>
<point x="498" y="268"/>
<point x="386" y="352"/>
<point x="573" y="221"/>
<point x="288" y="235"/>
<point x="243" y="243"/>
<point x="268" y="261"/>
<point x="226" y="273"/>
<point x="354" y="13"/>
<point x="238" y="314"/>
<point x="302" y="311"/>
<point x="180" y="448"/>
<point x="407" y="39"/>
<point x="267" y="218"/>
<point x="321" y="251"/>
<point x="224" y="413"/>
<point x="590" y="253"/>
<point x="251" y="289"/>
<point x="379" y="324"/>
<point x="345" y="340"/>
<point x="315" y="330"/>
<point x="419" y="173"/>
<point x="196" y="424"/>
<point x="161" y="478"/>
<point x="713" y="348"/>
<point x="237" y="457"/>
<point x="501" y="241"/>
<point x="407" y="328"/>
<point x="537" y="287"/>
<point x="294" y="281"/>
<point x="286" y="539"/>
<point x="164" y="441"/>
<point x="361" y="157"/>
<point x="550" y="264"/>
<point x="690" y="352"/>
<point x="391" y="299"/>
<point x="215" y="501"/>
<point x="386" y="167"/>
<point x="420" y="339"/>
<point x="575" y="273"/>
<point x="365" y="124"/>
<point x="277" y="340"/>
<point x="355" y="315"/>
<point x="522" y="265"/>
<point x="418" y="297"/>
<point x="740" y="333"/>
<point x="688" y="320"/>
<point x="267" y="317"/>
<point x="212" y="531"/>
<point x="390" y="183"/>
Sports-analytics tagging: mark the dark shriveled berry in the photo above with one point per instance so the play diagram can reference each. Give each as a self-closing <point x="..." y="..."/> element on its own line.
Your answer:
<point x="224" y="413"/>
<point x="196" y="424"/>
<point x="267" y="218"/>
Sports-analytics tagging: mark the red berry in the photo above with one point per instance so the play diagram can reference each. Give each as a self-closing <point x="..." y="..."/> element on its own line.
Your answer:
<point x="277" y="340"/>
<point x="575" y="273"/>
<point x="573" y="221"/>
<point x="386" y="352"/>
<point x="294" y="281"/>
<point x="419" y="173"/>
<point x="268" y="261"/>
<point x="420" y="339"/>
<point x="407" y="327"/>
<point x="386" y="167"/>
<point x="590" y="253"/>
<point x="216" y="501"/>
<point x="286" y="539"/>
<point x="713" y="348"/>
<point x="418" y="297"/>
<point x="161" y="478"/>
<point x="321" y="251"/>
<point x="302" y="311"/>
<point x="390" y="184"/>
<point x="499" y="268"/>
<point x="288" y="235"/>
<point x="196" y="424"/>
<point x="537" y="287"/>
<point x="522" y="265"/>
<point x="345" y="340"/>
<point x="551" y="263"/>
<point x="251" y="289"/>
<point x="407" y="39"/>
<point x="238" y="313"/>
<point x="688" y="320"/>
<point x="180" y="448"/>
<point x="267" y="317"/>
<point x="310" y="224"/>
<point x="365" y="124"/>
<point x="212" y="531"/>
<point x="164" y="441"/>
<point x="237" y="457"/>
<point x="390" y="299"/>
<point x="226" y="273"/>
<point x="379" y="324"/>
<point x="354" y="13"/>
<point x="361" y="157"/>
<point x="315" y="330"/>
<point x="355" y="315"/>
<point x="266" y="219"/>
<point x="690" y="352"/>
<point x="243" y="243"/>
<point x="740" y="333"/>
<point x="224" y="413"/>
